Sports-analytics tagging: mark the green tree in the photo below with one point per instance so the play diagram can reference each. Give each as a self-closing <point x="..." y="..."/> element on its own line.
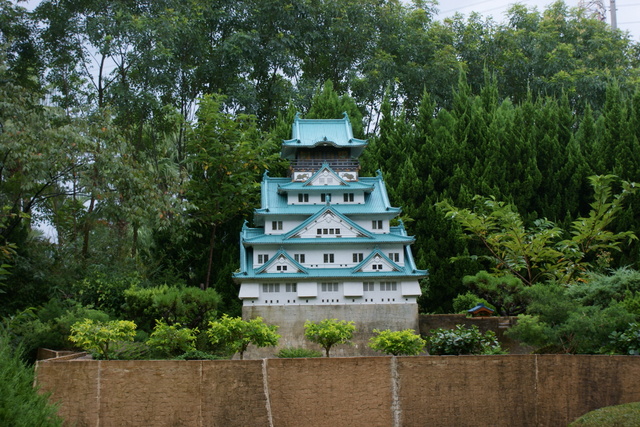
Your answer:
<point x="397" y="343"/>
<point x="236" y="334"/>
<point x="172" y="340"/>
<point x="535" y="254"/>
<point x="504" y="293"/>
<point x="98" y="337"/>
<point x="226" y="157"/>
<point x="329" y="332"/>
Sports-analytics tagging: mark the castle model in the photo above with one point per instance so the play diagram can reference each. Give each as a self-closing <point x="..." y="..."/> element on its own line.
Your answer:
<point x="324" y="245"/>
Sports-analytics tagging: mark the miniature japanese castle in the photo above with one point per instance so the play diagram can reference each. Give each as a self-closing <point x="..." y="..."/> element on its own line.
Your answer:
<point x="324" y="245"/>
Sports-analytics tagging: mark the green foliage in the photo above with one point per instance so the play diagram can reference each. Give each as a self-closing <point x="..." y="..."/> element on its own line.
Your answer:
<point x="462" y="340"/>
<point x="236" y="334"/>
<point x="503" y="292"/>
<point x="537" y="253"/>
<point x="21" y="404"/>
<point x="397" y="343"/>
<point x="464" y="302"/>
<point x="293" y="352"/>
<point x="172" y="340"/>
<point x="189" y="306"/>
<point x="49" y="326"/>
<point x="199" y="355"/>
<point x="103" y="291"/>
<point x="556" y="322"/>
<point x="97" y="337"/>
<point x="329" y="332"/>
<point x="627" y="414"/>
<point x="626" y="342"/>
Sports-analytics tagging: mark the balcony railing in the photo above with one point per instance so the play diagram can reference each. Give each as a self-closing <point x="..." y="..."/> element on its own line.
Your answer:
<point x="315" y="164"/>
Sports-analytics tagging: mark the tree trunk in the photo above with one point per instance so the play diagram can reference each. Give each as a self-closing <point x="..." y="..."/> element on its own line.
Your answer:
<point x="212" y="243"/>
<point x="87" y="228"/>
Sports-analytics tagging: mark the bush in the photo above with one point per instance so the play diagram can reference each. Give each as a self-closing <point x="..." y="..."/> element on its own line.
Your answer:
<point x="627" y="342"/>
<point x="200" y="355"/>
<point x="172" y="340"/>
<point x="50" y="326"/>
<point x="20" y="402"/>
<point x="292" y="352"/>
<point x="104" y="291"/>
<point x="397" y="343"/>
<point x="189" y="306"/>
<point x="558" y="322"/>
<point x="99" y="337"/>
<point x="462" y="340"/>
<point x="619" y="415"/>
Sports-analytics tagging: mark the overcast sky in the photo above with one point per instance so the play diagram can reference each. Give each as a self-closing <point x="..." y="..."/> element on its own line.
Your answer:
<point x="628" y="11"/>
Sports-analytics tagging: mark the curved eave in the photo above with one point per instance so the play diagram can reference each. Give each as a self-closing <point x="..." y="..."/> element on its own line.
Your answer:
<point x="278" y="240"/>
<point x="334" y="273"/>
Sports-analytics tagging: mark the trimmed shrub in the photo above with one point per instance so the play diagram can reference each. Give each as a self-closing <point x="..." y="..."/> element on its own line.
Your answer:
<point x="462" y="340"/>
<point x="293" y="352"/>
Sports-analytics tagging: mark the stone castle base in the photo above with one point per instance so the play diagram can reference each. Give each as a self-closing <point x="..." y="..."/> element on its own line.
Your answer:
<point x="291" y="318"/>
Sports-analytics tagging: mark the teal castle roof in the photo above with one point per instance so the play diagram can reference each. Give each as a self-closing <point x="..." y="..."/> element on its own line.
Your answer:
<point x="311" y="133"/>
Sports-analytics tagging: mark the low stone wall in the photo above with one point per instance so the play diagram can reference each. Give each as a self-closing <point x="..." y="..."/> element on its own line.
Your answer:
<point x="366" y="318"/>
<point x="509" y="390"/>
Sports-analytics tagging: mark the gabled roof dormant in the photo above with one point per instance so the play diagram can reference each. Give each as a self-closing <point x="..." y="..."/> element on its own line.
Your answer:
<point x="282" y="258"/>
<point x="309" y="133"/>
<point x="328" y="218"/>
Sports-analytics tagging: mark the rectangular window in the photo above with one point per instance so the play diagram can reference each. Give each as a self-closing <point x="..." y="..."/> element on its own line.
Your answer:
<point x="299" y="258"/>
<point x="394" y="256"/>
<point x="276" y="225"/>
<point x="329" y="287"/>
<point x="281" y="268"/>
<point x="292" y="287"/>
<point x="367" y="286"/>
<point x="262" y="258"/>
<point x="376" y="225"/>
<point x="357" y="257"/>
<point x="376" y="266"/>
<point x="388" y="286"/>
<point x="328" y="258"/>
<point x="325" y="197"/>
<point x="270" y="287"/>
<point x="303" y="198"/>
<point x="348" y="197"/>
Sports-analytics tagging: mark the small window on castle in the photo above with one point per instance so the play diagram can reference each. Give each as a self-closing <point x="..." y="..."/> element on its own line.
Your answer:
<point x="325" y="197"/>
<point x="262" y="258"/>
<point x="271" y="287"/>
<point x="328" y="258"/>
<point x="276" y="225"/>
<point x="376" y="225"/>
<point x="367" y="286"/>
<point x="357" y="257"/>
<point x="376" y="266"/>
<point x="281" y="268"/>
<point x="388" y="286"/>
<point x="348" y="197"/>
<point x="299" y="258"/>
<point x="303" y="198"/>
<point x="329" y="287"/>
<point x="291" y="287"/>
<point x="394" y="256"/>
